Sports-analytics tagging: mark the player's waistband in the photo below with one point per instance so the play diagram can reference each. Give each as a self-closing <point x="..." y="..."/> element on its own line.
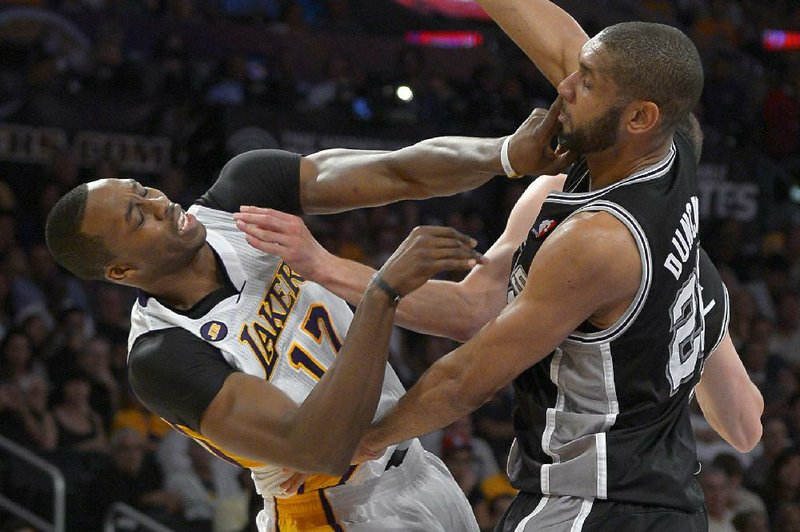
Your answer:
<point x="318" y="508"/>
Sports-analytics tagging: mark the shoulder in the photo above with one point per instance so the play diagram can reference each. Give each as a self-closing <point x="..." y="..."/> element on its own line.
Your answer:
<point x="596" y="245"/>
<point x="256" y="159"/>
<point x="157" y="351"/>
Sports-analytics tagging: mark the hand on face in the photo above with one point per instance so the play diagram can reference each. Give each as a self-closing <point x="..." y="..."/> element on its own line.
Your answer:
<point x="426" y="252"/>
<point x="529" y="149"/>
<point x="281" y="234"/>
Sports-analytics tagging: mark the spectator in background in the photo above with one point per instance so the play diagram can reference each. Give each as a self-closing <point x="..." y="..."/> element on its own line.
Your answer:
<point x="770" y="284"/>
<point x="785" y="341"/>
<point x="133" y="477"/>
<point x="457" y="455"/>
<point x="752" y="521"/>
<point x="786" y="518"/>
<point x="783" y="480"/>
<point x="741" y="500"/>
<point x="717" y="494"/>
<point x="211" y="495"/>
<point x="774" y="441"/>
<point x="773" y="376"/>
<point x="94" y="361"/>
<point x="37" y="417"/>
<point x="132" y="415"/>
<point x="24" y="415"/>
<point x="111" y="314"/>
<point x="80" y="428"/>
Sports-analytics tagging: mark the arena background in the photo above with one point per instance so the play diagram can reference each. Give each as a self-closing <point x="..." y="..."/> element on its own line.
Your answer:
<point x="166" y="91"/>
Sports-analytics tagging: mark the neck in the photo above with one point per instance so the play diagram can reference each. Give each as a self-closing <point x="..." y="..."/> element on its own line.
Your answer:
<point x="183" y="288"/>
<point x="624" y="159"/>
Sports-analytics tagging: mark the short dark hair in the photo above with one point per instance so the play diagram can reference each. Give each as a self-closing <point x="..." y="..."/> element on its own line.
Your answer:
<point x="83" y="255"/>
<point x="657" y="63"/>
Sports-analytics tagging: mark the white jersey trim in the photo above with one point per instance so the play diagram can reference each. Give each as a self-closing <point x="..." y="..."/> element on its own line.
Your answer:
<point x="586" y="507"/>
<point x="538" y="509"/>
<point x="654" y="171"/>
<point x="632" y="312"/>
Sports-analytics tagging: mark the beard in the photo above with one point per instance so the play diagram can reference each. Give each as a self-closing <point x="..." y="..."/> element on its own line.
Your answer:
<point x="595" y="136"/>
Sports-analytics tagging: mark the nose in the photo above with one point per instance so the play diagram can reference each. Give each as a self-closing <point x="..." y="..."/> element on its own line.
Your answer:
<point x="159" y="205"/>
<point x="567" y="88"/>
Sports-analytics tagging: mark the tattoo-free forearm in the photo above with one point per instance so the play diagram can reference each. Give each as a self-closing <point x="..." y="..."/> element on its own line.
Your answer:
<point x="343" y="403"/>
<point x="420" y="311"/>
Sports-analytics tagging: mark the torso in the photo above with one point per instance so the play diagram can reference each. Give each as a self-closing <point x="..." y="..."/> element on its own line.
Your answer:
<point x="606" y="414"/>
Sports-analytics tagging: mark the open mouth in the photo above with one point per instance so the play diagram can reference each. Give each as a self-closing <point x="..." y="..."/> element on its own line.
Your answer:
<point x="184" y="221"/>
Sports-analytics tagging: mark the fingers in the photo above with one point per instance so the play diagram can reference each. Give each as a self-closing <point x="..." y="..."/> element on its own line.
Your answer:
<point x="267" y="247"/>
<point x="249" y="209"/>
<point x="262" y="234"/>
<point x="268" y="220"/>
<point x="550" y="121"/>
<point x="293" y="483"/>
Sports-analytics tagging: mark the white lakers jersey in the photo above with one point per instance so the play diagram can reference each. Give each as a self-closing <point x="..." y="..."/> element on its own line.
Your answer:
<point x="278" y="327"/>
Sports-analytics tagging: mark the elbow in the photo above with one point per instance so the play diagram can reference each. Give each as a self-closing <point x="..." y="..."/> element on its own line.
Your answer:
<point x="752" y="429"/>
<point x="463" y="331"/>
<point x="748" y="437"/>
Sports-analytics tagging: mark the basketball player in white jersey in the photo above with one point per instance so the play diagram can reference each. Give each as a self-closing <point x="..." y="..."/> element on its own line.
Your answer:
<point x="236" y="350"/>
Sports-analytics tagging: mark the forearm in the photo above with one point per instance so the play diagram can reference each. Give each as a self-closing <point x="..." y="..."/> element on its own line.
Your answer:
<point x="339" y="179"/>
<point x="343" y="404"/>
<point x="415" y="413"/>
<point x="547" y="34"/>
<point x="734" y="414"/>
<point x="420" y="311"/>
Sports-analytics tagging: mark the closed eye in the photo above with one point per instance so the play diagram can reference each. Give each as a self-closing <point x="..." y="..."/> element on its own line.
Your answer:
<point x="145" y="190"/>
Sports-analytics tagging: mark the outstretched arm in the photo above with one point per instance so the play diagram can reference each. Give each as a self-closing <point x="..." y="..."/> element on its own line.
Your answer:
<point x="469" y="303"/>
<point x="338" y="180"/>
<point x="548" y="35"/>
<point x="728" y="398"/>
<point x="251" y="418"/>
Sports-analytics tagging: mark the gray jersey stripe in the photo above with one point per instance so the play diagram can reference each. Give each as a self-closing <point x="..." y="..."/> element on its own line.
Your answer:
<point x="539" y="508"/>
<point x="586" y="507"/>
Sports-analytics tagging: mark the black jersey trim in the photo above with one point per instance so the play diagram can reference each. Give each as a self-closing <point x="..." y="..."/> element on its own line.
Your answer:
<point x="632" y="312"/>
<point x="656" y="171"/>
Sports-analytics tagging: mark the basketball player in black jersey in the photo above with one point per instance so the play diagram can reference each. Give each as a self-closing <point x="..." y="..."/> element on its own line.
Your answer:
<point x="610" y="322"/>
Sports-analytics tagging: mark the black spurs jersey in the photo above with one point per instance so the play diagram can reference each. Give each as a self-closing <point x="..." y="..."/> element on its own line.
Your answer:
<point x="606" y="415"/>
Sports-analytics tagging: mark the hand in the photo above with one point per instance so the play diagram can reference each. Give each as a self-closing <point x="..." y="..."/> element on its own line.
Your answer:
<point x="284" y="235"/>
<point x="426" y="252"/>
<point x="365" y="453"/>
<point x="293" y="483"/>
<point x="529" y="148"/>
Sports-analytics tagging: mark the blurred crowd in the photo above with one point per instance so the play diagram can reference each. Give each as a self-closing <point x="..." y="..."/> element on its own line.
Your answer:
<point x="63" y="342"/>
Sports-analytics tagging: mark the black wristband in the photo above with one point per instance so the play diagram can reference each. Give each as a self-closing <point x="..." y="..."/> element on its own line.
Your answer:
<point x="394" y="297"/>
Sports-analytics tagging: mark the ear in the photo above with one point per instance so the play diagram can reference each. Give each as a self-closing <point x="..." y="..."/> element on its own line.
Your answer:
<point x="643" y="117"/>
<point x="120" y="273"/>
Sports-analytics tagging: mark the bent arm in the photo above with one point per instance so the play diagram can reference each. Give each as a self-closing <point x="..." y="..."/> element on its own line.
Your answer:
<point x="572" y="265"/>
<point x="548" y="35"/>
<point x="249" y="417"/>
<point x="728" y="398"/>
